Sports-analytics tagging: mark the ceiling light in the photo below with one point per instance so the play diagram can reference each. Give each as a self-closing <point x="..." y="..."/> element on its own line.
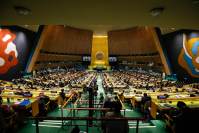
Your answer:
<point x="22" y="10"/>
<point x="195" y="2"/>
<point x="156" y="11"/>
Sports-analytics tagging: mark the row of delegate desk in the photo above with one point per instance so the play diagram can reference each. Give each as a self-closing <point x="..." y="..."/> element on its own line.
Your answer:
<point x="11" y="97"/>
<point x="109" y="81"/>
<point x="140" y="83"/>
<point x="12" y="94"/>
<point x="136" y="79"/>
<point x="164" y="105"/>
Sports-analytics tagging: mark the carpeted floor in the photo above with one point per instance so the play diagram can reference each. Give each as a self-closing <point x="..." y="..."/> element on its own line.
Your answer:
<point x="55" y="126"/>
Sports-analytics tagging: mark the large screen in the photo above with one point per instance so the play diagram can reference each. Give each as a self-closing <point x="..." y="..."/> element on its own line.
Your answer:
<point x="16" y="44"/>
<point x="112" y="59"/>
<point x="86" y="58"/>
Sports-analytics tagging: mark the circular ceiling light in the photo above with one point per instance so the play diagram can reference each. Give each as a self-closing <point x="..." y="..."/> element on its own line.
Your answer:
<point x="156" y="11"/>
<point x="22" y="10"/>
<point x="195" y="2"/>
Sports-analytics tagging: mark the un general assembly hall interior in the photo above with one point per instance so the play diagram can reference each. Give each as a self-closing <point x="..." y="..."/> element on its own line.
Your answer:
<point x="108" y="66"/>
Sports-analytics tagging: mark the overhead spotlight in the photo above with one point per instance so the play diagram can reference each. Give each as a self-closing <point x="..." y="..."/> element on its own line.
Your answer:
<point x="156" y="11"/>
<point x="22" y="10"/>
<point x="195" y="2"/>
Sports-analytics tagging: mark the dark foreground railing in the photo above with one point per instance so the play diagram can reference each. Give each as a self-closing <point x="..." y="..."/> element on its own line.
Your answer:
<point x="87" y="119"/>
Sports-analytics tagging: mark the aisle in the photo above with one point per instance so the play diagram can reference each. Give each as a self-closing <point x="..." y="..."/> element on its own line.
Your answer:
<point x="100" y="86"/>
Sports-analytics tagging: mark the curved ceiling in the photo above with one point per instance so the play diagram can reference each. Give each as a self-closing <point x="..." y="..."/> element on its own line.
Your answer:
<point x="104" y="15"/>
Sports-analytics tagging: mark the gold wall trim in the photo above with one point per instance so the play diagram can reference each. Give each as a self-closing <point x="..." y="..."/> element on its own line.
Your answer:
<point x="38" y="48"/>
<point x="99" y="48"/>
<point x="160" y="50"/>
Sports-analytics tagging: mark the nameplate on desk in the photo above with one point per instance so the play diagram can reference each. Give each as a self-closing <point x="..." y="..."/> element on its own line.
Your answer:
<point x="27" y="95"/>
<point x="161" y="97"/>
<point x="53" y="91"/>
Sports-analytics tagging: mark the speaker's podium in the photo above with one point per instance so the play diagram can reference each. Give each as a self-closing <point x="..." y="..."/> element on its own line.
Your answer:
<point x="99" y="66"/>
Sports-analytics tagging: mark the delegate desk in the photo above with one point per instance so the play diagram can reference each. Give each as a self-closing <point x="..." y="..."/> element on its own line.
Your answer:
<point x="162" y="106"/>
<point x="11" y="98"/>
<point x="21" y="102"/>
<point x="135" y="96"/>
